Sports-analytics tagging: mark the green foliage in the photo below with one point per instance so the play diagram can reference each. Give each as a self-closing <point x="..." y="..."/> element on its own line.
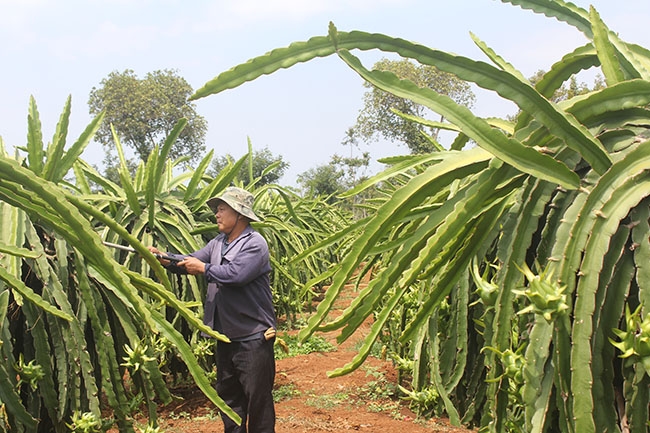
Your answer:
<point x="634" y="341"/>
<point x="447" y="235"/>
<point x="144" y="112"/>
<point x="571" y="89"/>
<point x="331" y="180"/>
<point x="87" y="329"/>
<point x="565" y="183"/>
<point x="547" y="297"/>
<point x="30" y="373"/>
<point x="379" y="116"/>
<point x="339" y="175"/>
<point x="323" y="180"/>
<point x="298" y="231"/>
<point x="285" y="392"/>
<point x="264" y="168"/>
<point x="424" y="403"/>
<point x="85" y="423"/>
<point x="379" y="388"/>
<point x="289" y="346"/>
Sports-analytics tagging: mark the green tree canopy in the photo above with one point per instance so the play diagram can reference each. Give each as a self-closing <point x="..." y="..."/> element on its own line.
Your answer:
<point x="323" y="180"/>
<point x="338" y="175"/>
<point x="266" y="168"/>
<point x="144" y="111"/>
<point x="570" y="89"/>
<point x="377" y="120"/>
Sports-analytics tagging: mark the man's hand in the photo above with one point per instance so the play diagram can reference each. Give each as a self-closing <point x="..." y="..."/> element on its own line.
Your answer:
<point x="155" y="250"/>
<point x="192" y="265"/>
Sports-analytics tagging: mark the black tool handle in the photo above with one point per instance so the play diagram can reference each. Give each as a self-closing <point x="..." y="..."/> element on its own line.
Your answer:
<point x="131" y="250"/>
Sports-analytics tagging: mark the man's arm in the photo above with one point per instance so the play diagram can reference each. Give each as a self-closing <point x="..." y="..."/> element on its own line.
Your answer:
<point x="251" y="261"/>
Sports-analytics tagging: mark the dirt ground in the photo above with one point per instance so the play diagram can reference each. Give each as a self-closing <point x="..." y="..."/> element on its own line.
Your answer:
<point x="316" y="403"/>
<point x="312" y="402"/>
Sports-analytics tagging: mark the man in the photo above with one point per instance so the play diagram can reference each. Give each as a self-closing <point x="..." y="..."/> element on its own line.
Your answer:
<point x="239" y="305"/>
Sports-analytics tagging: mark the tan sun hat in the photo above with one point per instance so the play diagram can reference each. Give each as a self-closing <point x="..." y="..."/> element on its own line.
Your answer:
<point x="238" y="199"/>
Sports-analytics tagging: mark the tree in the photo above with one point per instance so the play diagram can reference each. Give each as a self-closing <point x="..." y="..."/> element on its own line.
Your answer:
<point x="573" y="88"/>
<point x="352" y="165"/>
<point x="323" y="180"/>
<point x="144" y="111"/>
<point x="377" y="120"/>
<point x="338" y="175"/>
<point x="335" y="177"/>
<point x="261" y="161"/>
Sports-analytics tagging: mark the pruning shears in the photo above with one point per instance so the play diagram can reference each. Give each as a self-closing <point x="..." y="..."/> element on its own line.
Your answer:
<point x="132" y="250"/>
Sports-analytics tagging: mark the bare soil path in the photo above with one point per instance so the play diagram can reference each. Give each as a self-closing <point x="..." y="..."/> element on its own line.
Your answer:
<point x="312" y="402"/>
<point x="317" y="403"/>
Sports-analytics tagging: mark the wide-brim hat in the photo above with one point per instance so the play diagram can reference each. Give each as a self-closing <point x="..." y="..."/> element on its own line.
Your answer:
<point x="238" y="199"/>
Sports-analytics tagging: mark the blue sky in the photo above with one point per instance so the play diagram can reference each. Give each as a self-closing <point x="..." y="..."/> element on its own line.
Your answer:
<point x="52" y="49"/>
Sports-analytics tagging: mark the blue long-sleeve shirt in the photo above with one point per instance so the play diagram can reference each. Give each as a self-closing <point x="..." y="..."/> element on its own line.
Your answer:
<point x="238" y="301"/>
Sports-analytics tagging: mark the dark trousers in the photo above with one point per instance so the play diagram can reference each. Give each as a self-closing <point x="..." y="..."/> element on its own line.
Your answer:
<point x="245" y="376"/>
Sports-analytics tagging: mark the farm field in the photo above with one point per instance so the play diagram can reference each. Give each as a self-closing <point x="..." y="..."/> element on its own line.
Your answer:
<point x="317" y="403"/>
<point x="309" y="401"/>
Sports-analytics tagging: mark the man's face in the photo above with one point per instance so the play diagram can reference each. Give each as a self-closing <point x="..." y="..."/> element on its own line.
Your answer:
<point x="226" y="217"/>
